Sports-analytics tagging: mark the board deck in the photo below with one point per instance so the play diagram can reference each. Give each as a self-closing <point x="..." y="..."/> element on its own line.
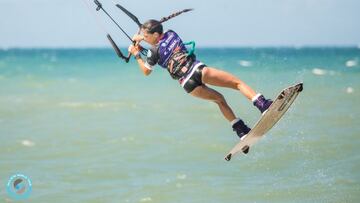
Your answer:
<point x="277" y="109"/>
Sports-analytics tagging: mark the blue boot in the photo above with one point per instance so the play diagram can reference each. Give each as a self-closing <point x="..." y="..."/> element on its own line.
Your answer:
<point x="240" y="128"/>
<point x="262" y="104"/>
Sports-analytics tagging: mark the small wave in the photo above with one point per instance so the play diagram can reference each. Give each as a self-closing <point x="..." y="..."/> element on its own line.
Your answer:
<point x="181" y="176"/>
<point x="27" y="143"/>
<point x="146" y="199"/>
<point x="319" y="71"/>
<point x="351" y="63"/>
<point x="349" y="90"/>
<point x="245" y="63"/>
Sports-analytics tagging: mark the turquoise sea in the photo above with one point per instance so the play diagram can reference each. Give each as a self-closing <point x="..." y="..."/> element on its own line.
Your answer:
<point x="86" y="127"/>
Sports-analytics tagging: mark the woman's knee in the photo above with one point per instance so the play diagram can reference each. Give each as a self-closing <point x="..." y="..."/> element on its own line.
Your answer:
<point x="220" y="99"/>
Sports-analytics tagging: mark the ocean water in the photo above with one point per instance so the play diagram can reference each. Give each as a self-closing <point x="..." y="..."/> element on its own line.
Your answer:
<point x="86" y="127"/>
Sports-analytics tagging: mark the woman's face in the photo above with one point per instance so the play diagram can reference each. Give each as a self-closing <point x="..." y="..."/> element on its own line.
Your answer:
<point x="152" y="39"/>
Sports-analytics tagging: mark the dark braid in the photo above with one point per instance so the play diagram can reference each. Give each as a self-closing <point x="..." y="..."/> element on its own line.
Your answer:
<point x="174" y="15"/>
<point x="153" y="26"/>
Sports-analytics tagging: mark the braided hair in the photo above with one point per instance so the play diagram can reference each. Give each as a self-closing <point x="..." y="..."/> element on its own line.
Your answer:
<point x="153" y="26"/>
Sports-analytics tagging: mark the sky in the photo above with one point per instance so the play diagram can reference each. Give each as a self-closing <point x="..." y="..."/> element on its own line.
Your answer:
<point x="213" y="23"/>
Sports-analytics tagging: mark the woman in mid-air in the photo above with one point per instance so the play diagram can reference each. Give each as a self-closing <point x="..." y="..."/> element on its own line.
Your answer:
<point x="169" y="51"/>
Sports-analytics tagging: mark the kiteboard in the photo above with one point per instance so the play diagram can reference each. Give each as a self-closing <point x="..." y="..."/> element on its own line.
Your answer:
<point x="268" y="119"/>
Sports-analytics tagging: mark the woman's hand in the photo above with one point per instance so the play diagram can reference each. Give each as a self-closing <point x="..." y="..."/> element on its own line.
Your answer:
<point x="134" y="49"/>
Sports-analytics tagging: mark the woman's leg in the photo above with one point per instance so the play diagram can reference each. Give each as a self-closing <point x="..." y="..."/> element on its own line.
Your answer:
<point x="221" y="78"/>
<point x="207" y="93"/>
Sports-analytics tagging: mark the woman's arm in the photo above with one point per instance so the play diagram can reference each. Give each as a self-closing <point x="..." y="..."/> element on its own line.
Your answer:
<point x="135" y="50"/>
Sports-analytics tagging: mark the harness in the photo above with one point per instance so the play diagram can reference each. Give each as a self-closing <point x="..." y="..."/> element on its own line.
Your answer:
<point x="180" y="61"/>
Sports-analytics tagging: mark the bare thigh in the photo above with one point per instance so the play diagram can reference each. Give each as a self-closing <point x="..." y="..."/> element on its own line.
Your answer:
<point x="213" y="76"/>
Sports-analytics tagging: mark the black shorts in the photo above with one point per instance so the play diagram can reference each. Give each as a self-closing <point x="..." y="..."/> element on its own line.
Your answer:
<point x="193" y="80"/>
